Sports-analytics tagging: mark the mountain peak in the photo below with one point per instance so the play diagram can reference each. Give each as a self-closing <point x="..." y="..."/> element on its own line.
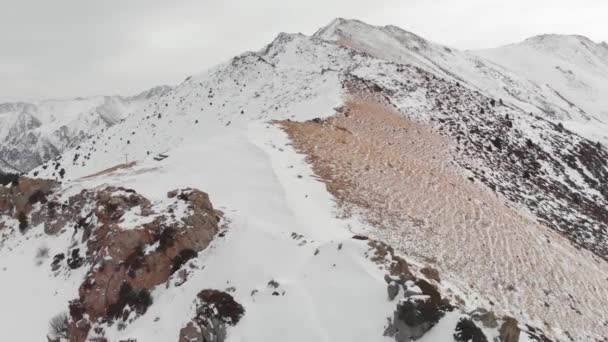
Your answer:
<point x="560" y="40"/>
<point x="333" y="29"/>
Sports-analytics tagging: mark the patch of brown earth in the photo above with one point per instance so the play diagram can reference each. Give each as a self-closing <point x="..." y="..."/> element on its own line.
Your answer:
<point x="398" y="175"/>
<point x="110" y="170"/>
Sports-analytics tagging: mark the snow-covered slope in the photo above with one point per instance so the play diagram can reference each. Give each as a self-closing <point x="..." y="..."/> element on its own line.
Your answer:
<point x="32" y="133"/>
<point x="486" y="223"/>
<point x="574" y="66"/>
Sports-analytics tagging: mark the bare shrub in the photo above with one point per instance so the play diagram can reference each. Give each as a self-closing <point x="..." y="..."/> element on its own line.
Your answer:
<point x="58" y="326"/>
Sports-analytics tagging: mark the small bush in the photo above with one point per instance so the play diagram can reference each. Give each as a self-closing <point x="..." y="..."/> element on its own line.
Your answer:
<point x="217" y="305"/>
<point x="182" y="258"/>
<point x="76" y="310"/>
<point x="166" y="238"/>
<point x="137" y="300"/>
<point x="75" y="260"/>
<point x="58" y="326"/>
<point x="135" y="261"/>
<point x="8" y="178"/>
<point x="23" y="224"/>
<point x="37" y="197"/>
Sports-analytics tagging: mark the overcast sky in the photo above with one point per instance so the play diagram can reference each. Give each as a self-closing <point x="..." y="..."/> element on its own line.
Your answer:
<point x="69" y="48"/>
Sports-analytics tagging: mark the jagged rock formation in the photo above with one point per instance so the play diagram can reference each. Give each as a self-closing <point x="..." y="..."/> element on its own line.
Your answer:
<point x="125" y="259"/>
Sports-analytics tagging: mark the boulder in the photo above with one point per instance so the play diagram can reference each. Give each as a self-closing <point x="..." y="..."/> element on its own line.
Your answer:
<point x="393" y="290"/>
<point x="467" y="331"/>
<point x="215" y="311"/>
<point x="509" y="330"/>
<point x="413" y="317"/>
<point x="487" y="318"/>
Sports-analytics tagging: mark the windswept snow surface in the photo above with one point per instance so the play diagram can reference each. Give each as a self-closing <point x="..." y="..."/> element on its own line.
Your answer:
<point x="253" y="175"/>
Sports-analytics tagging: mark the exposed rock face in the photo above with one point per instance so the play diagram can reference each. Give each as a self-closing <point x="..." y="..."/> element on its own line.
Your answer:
<point x="413" y="318"/>
<point x="509" y="330"/>
<point x="126" y="264"/>
<point x="129" y="244"/>
<point x="421" y="306"/>
<point x="18" y="200"/>
<point x="215" y="311"/>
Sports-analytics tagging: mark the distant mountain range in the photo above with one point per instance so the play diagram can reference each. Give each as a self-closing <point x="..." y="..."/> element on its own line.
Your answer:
<point x="32" y="133"/>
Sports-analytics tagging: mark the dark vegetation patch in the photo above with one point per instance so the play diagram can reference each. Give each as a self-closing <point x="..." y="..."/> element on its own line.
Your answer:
<point x="182" y="258"/>
<point x="166" y="238"/>
<point x="77" y="310"/>
<point x="129" y="299"/>
<point x="467" y="331"/>
<point x="37" y="197"/>
<point x="220" y="306"/>
<point x="134" y="261"/>
<point x="23" y="223"/>
<point x="57" y="259"/>
<point x="75" y="260"/>
<point x="8" y="178"/>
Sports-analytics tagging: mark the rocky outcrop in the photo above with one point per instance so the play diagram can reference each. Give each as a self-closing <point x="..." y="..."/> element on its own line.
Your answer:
<point x="413" y="317"/>
<point x="128" y="244"/>
<point x="467" y="331"/>
<point x="17" y="200"/>
<point x="121" y="259"/>
<point x="420" y="304"/>
<point x="128" y="263"/>
<point x="215" y="311"/>
<point x="509" y="330"/>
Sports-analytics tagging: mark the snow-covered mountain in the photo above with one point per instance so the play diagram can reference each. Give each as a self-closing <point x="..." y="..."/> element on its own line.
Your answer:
<point x="33" y="133"/>
<point x="557" y="77"/>
<point x="360" y="184"/>
<point x="575" y="67"/>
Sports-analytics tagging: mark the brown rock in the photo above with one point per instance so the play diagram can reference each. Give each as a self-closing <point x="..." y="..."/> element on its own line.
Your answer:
<point x="509" y="330"/>
<point x="117" y="255"/>
<point x="214" y="312"/>
<point x="431" y="273"/>
<point x="191" y="333"/>
<point x="487" y="318"/>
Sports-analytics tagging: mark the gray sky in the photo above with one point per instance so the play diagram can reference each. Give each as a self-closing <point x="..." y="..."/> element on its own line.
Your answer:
<point x="69" y="48"/>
